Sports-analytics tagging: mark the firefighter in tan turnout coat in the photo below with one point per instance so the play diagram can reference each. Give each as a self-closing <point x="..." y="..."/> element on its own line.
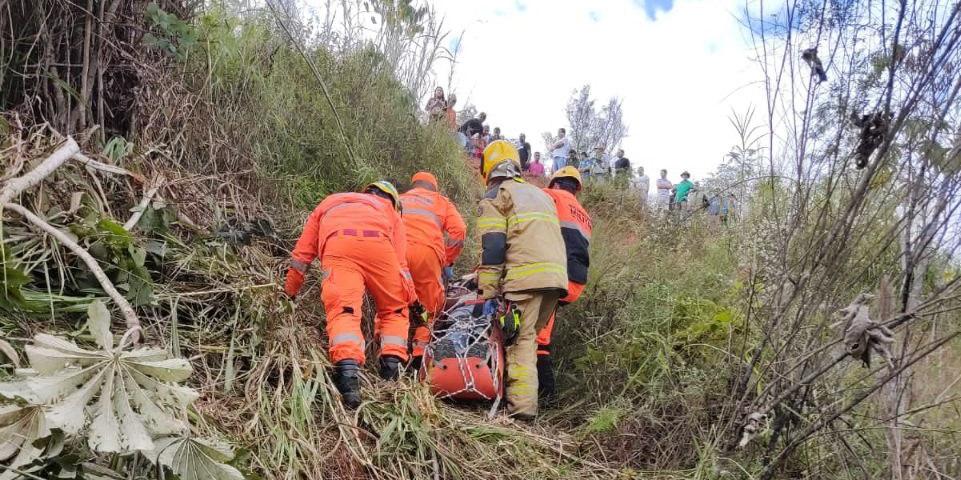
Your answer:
<point x="524" y="262"/>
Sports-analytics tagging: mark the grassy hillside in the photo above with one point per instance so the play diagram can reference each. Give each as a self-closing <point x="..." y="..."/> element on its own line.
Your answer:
<point x="213" y="129"/>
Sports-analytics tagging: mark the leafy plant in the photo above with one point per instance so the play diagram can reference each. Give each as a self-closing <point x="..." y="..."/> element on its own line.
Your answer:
<point x="175" y="37"/>
<point x="118" y="399"/>
<point x="20" y="428"/>
<point x="117" y="148"/>
<point x="126" y="260"/>
<point x="605" y="419"/>
<point x="195" y="458"/>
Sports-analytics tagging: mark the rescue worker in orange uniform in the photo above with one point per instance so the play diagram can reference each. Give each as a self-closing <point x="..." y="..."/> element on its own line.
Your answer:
<point x="523" y="262"/>
<point x="428" y="217"/>
<point x="362" y="245"/>
<point x="576" y="229"/>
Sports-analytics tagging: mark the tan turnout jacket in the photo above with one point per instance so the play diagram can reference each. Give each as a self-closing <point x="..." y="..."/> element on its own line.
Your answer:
<point x="523" y="249"/>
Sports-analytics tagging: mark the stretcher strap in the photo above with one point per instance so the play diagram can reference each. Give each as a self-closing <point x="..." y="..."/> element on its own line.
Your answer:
<point x="463" y="365"/>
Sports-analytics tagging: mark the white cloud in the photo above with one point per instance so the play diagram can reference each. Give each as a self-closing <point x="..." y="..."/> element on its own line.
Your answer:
<point x="680" y="75"/>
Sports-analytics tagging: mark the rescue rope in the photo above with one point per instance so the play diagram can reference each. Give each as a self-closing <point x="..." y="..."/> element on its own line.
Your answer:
<point x="460" y="335"/>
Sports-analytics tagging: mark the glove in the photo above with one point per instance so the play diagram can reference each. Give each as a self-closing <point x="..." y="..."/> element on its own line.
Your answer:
<point x="447" y="273"/>
<point x="418" y="316"/>
<point x="510" y="322"/>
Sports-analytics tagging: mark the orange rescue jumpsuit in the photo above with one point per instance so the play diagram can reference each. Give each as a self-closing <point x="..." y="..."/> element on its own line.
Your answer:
<point x="361" y="242"/>
<point x="428" y="215"/>
<point x="576" y="229"/>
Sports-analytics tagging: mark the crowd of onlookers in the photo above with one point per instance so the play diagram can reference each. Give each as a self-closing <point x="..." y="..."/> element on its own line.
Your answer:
<point x="684" y="196"/>
<point x="689" y="196"/>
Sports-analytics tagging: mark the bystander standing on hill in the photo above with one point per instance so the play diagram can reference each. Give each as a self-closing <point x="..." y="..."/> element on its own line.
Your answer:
<point x="596" y="166"/>
<point x="696" y="198"/>
<point x="622" y="169"/>
<point x="477" y="147"/>
<point x="524" y="150"/>
<point x="682" y="190"/>
<point x="601" y="158"/>
<point x="536" y="168"/>
<point x="622" y="165"/>
<point x="560" y="150"/>
<point x="664" y="187"/>
<point x="496" y="135"/>
<point x="437" y="106"/>
<point x="474" y="125"/>
<point x="642" y="183"/>
<point x="450" y="112"/>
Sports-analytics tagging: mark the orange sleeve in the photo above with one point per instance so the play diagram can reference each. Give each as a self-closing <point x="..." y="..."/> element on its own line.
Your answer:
<point x="456" y="231"/>
<point x="305" y="251"/>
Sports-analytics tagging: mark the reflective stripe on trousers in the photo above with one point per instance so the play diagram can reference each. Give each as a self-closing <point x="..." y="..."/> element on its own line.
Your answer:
<point x="348" y="338"/>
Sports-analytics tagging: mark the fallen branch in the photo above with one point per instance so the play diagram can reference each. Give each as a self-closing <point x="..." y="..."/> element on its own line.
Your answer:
<point x="35" y="176"/>
<point x="142" y="206"/>
<point x="131" y="320"/>
<point x="107" y="168"/>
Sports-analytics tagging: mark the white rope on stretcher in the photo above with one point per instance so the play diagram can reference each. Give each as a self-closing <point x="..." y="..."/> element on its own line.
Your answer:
<point x="462" y="363"/>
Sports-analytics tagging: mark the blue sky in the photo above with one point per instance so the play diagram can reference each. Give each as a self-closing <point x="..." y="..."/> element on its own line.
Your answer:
<point x="680" y="66"/>
<point x="651" y="7"/>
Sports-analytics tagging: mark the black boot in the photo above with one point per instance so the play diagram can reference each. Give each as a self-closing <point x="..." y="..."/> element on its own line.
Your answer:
<point x="389" y="367"/>
<point x="347" y="381"/>
<point x="545" y="379"/>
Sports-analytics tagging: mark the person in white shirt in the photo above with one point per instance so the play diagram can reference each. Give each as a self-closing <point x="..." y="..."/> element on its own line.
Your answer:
<point x="601" y="163"/>
<point x="664" y="187"/>
<point x="642" y="184"/>
<point x="560" y="150"/>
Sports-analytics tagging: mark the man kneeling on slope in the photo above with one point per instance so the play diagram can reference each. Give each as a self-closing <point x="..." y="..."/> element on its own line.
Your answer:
<point x="576" y="229"/>
<point x="523" y="262"/>
<point x="428" y="216"/>
<point x="362" y="245"/>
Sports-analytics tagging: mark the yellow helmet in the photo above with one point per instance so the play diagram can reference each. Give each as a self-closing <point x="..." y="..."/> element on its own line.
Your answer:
<point x="389" y="189"/>
<point x="496" y="153"/>
<point x="567" y="172"/>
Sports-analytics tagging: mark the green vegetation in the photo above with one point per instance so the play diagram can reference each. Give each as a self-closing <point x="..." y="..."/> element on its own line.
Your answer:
<point x="217" y="138"/>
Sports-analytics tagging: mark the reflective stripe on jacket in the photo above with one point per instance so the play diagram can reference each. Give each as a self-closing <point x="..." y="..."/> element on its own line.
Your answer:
<point x="523" y="248"/>
<point x="428" y="216"/>
<point x="576" y="228"/>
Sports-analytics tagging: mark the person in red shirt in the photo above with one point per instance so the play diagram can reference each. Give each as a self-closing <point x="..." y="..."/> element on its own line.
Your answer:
<point x="576" y="228"/>
<point x="536" y="168"/>
<point x="362" y="245"/>
<point x="428" y="218"/>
